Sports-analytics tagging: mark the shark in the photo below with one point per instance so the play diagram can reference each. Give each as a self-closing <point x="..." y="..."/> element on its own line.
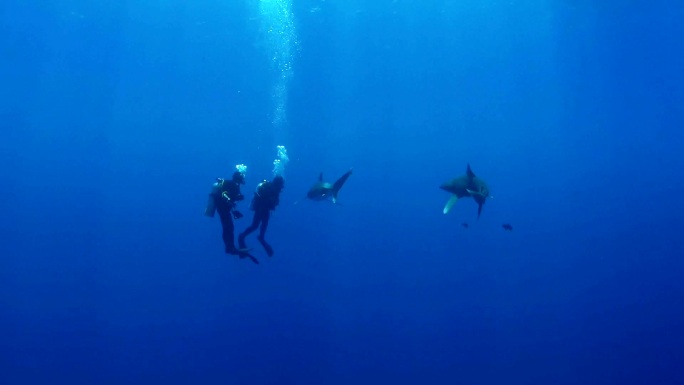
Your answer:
<point x="468" y="185"/>
<point x="321" y="190"/>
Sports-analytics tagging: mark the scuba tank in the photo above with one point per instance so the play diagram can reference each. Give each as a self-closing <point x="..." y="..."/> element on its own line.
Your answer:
<point x="257" y="193"/>
<point x="260" y="187"/>
<point x="210" y="210"/>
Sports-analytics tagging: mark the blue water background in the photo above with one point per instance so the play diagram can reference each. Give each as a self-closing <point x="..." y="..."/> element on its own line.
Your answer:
<point x="115" y="117"/>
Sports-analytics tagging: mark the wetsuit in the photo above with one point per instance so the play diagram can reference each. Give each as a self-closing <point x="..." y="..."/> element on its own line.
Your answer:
<point x="225" y="201"/>
<point x="266" y="198"/>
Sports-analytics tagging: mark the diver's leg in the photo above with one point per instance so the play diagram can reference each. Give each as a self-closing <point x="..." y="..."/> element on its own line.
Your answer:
<point x="262" y="233"/>
<point x="249" y="230"/>
<point x="228" y="233"/>
<point x="265" y="216"/>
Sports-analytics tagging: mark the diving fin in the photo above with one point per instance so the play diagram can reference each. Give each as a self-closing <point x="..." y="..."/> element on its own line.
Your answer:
<point x="240" y="251"/>
<point x="251" y="257"/>
<point x="450" y="203"/>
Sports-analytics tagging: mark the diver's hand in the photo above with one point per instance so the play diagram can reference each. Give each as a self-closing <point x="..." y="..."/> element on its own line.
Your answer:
<point x="237" y="214"/>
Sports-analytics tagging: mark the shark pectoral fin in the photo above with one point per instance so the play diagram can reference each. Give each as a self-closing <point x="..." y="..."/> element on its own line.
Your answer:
<point x="340" y="182"/>
<point x="338" y="185"/>
<point x="450" y="203"/>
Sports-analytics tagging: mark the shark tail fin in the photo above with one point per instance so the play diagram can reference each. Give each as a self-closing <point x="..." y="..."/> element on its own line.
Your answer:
<point x="320" y="177"/>
<point x="450" y="203"/>
<point x="338" y="185"/>
<point x="479" y="210"/>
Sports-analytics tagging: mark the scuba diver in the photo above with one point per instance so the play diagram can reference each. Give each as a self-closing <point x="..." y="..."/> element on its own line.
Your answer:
<point x="266" y="198"/>
<point x="223" y="199"/>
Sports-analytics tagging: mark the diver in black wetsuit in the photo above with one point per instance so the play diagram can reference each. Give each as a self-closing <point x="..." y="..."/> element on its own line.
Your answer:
<point x="266" y="198"/>
<point x="225" y="199"/>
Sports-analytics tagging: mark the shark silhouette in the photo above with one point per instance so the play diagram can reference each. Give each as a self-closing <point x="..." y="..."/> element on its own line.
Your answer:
<point x="323" y="190"/>
<point x="467" y="185"/>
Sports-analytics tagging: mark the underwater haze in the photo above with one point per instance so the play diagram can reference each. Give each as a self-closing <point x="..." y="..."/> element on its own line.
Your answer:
<point x="117" y="116"/>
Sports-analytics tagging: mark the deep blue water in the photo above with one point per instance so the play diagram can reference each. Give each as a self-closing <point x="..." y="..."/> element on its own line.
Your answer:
<point x="115" y="118"/>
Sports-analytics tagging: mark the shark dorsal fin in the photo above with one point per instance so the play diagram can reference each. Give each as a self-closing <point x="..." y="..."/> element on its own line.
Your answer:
<point x="470" y="172"/>
<point x="320" y="177"/>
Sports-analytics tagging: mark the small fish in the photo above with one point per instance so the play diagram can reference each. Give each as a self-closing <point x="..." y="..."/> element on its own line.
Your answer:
<point x="507" y="227"/>
<point x="465" y="224"/>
